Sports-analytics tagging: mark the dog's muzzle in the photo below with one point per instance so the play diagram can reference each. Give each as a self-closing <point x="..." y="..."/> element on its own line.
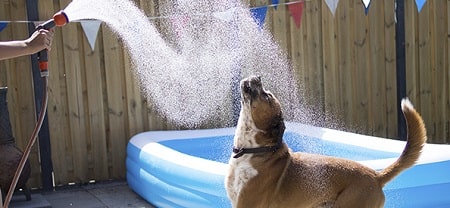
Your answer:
<point x="251" y="87"/>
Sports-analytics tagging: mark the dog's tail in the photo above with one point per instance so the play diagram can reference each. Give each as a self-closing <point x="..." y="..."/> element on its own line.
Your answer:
<point x="417" y="137"/>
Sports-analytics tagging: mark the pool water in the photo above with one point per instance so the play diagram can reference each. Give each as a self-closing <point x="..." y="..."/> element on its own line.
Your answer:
<point x="219" y="148"/>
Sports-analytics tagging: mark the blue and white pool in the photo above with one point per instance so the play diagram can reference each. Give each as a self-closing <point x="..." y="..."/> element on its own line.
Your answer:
<point x="187" y="168"/>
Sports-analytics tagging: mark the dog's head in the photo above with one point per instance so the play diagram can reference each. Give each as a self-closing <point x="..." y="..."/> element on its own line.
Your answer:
<point x="264" y="107"/>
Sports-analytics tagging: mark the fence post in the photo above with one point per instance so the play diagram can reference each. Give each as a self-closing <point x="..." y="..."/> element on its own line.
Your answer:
<point x="44" y="133"/>
<point x="401" y="65"/>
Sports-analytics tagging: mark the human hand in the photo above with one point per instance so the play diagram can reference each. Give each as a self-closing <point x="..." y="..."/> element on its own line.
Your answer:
<point x="41" y="39"/>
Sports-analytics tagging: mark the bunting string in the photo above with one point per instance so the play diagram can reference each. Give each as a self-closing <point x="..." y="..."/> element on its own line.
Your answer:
<point x="165" y="17"/>
<point x="295" y="8"/>
<point x="332" y="4"/>
<point x="18" y="21"/>
<point x="280" y="4"/>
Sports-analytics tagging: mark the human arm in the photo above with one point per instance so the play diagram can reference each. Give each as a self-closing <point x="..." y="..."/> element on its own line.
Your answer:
<point x="39" y="40"/>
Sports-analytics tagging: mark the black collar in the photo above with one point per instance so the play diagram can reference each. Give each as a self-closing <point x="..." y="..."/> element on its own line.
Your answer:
<point x="241" y="151"/>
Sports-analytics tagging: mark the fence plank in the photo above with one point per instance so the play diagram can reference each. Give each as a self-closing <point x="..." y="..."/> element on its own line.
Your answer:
<point x="330" y="64"/>
<point x="377" y="69"/>
<point x="447" y="66"/>
<point x="390" y="70"/>
<point x="280" y="26"/>
<point x="412" y="60"/>
<point x="76" y="107"/>
<point x="361" y="70"/>
<point x="313" y="59"/>
<point x="134" y="100"/>
<point x="116" y="108"/>
<point x="346" y="59"/>
<point x="440" y="72"/>
<point x="297" y="55"/>
<point x="424" y="73"/>
<point x="95" y="81"/>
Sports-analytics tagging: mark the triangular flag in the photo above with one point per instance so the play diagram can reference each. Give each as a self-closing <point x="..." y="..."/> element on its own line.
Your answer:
<point x="420" y="4"/>
<point x="3" y="25"/>
<point x="275" y="3"/>
<point x="366" y="5"/>
<point x="259" y="14"/>
<point x="332" y="5"/>
<point x="90" y="28"/>
<point x="296" y="11"/>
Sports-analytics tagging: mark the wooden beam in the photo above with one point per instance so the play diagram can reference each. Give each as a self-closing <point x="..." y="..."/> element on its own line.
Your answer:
<point x="44" y="133"/>
<point x="401" y="63"/>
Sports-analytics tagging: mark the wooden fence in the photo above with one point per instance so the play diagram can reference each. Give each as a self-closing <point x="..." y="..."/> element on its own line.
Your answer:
<point x="345" y="63"/>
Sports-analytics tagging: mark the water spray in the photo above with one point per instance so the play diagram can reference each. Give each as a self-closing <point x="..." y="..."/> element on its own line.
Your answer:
<point x="59" y="19"/>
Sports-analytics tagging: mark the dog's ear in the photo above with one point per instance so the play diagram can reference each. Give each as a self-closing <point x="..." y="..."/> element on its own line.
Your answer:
<point x="278" y="127"/>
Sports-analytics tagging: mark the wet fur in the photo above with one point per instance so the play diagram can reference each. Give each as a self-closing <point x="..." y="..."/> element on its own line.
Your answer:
<point x="287" y="179"/>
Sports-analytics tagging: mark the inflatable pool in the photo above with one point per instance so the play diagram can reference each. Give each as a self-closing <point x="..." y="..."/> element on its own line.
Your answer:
<point x="187" y="168"/>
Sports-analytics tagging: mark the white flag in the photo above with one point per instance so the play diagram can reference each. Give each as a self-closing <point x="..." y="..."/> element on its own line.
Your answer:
<point x="91" y="28"/>
<point x="332" y="5"/>
<point x="366" y="3"/>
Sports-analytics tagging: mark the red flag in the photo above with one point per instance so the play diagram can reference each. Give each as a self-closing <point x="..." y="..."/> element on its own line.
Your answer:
<point x="296" y="10"/>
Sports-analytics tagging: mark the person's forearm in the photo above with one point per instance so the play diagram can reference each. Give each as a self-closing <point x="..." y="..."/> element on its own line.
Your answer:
<point x="39" y="40"/>
<point x="12" y="49"/>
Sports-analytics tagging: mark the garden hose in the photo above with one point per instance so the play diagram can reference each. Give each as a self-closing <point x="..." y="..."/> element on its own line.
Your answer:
<point x="59" y="19"/>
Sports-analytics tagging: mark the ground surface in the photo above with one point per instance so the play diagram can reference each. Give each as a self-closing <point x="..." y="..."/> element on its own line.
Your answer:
<point x="114" y="194"/>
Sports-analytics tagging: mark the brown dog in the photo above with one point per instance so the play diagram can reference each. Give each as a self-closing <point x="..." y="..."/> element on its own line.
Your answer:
<point x="263" y="172"/>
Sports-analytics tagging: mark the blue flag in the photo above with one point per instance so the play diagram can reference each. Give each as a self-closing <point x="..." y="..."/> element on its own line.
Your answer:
<point x="3" y="25"/>
<point x="420" y="4"/>
<point x="259" y="14"/>
<point x="275" y="2"/>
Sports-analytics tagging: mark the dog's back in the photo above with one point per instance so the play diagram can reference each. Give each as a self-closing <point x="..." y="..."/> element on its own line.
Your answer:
<point x="322" y="181"/>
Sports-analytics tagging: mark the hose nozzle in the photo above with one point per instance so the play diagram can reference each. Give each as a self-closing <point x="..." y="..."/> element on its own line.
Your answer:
<point x="59" y="19"/>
